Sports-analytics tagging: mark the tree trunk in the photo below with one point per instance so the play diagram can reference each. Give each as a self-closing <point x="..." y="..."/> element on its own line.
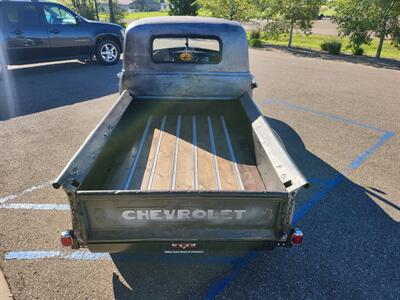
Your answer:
<point x="381" y="39"/>
<point x="232" y="10"/>
<point x="291" y="34"/>
<point x="379" y="50"/>
<point x="110" y="7"/>
<point x="96" y="8"/>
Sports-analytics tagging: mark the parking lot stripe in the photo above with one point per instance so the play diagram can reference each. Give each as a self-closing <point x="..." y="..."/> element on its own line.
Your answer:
<point x="136" y="257"/>
<point x="22" y="255"/>
<point x="316" y="198"/>
<point x="322" y="114"/>
<point x="363" y="156"/>
<point x="31" y="189"/>
<point x="220" y="285"/>
<point x="36" y="206"/>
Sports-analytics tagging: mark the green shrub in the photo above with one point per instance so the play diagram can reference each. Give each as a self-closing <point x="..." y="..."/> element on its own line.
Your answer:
<point x="255" y="34"/>
<point x="256" y="43"/>
<point x="357" y="51"/>
<point x="333" y="46"/>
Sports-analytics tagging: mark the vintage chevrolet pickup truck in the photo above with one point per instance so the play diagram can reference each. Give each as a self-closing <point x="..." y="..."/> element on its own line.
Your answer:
<point x="184" y="162"/>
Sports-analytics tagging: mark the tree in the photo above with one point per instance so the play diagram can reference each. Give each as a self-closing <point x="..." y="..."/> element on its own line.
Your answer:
<point x="111" y="10"/>
<point x="361" y="20"/>
<point x="287" y="15"/>
<point x="239" y="10"/>
<point x="115" y="15"/>
<point x="86" y="8"/>
<point x="183" y="8"/>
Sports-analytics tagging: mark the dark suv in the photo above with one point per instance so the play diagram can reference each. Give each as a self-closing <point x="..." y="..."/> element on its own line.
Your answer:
<point x="33" y="32"/>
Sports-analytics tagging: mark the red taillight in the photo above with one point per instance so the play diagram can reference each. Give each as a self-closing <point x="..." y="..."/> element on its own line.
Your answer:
<point x="297" y="237"/>
<point x="67" y="238"/>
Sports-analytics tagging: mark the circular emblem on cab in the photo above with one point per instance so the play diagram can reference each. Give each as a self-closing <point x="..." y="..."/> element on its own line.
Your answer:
<point x="186" y="56"/>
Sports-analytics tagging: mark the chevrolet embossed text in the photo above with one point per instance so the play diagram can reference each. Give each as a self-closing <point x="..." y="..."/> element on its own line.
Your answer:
<point x="183" y="214"/>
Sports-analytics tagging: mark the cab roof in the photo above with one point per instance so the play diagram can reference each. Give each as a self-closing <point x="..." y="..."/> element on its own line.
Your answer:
<point x="139" y="35"/>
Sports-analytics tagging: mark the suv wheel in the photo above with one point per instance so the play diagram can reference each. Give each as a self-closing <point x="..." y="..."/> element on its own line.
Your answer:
<point x="107" y="52"/>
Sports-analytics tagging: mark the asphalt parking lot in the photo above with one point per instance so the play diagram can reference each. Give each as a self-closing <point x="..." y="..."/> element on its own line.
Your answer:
<point x="340" y="122"/>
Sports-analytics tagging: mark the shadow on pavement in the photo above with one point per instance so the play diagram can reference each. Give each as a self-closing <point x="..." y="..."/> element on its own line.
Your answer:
<point x="350" y="251"/>
<point x="385" y="63"/>
<point x="36" y="88"/>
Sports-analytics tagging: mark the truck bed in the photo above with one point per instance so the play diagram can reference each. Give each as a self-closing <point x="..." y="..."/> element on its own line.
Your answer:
<point x="182" y="147"/>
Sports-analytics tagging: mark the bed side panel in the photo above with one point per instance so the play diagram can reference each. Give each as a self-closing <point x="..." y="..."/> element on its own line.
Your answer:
<point x="272" y="158"/>
<point x="83" y="160"/>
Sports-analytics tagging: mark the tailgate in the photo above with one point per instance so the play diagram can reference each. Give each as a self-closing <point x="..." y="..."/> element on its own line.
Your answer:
<point x="121" y="217"/>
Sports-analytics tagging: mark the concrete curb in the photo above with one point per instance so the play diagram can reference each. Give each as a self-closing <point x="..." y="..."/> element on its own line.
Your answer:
<point x="5" y="292"/>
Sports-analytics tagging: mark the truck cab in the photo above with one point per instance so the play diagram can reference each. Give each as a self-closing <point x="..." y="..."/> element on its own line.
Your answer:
<point x="184" y="162"/>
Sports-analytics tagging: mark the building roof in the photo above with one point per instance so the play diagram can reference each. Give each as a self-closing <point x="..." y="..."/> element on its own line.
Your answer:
<point x="185" y="20"/>
<point x="152" y="1"/>
<point x="124" y="2"/>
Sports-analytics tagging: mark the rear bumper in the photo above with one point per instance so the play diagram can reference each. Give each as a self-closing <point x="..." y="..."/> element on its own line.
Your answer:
<point x="181" y="248"/>
<point x="293" y="238"/>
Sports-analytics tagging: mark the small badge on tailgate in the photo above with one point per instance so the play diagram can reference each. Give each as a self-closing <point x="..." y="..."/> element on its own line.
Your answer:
<point x="183" y="248"/>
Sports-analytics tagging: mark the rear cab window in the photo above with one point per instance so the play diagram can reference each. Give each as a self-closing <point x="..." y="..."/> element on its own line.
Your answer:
<point x="186" y="50"/>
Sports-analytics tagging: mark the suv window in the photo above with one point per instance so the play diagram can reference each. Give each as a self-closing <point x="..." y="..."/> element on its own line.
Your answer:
<point x="22" y="14"/>
<point x="56" y="15"/>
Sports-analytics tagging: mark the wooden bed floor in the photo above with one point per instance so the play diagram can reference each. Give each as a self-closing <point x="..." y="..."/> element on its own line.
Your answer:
<point x="196" y="152"/>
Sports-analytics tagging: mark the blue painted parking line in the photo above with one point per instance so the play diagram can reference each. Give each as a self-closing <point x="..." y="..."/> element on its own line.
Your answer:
<point x="322" y="114"/>
<point x="221" y="284"/>
<point x="363" y="156"/>
<point x="316" y="198"/>
<point x="386" y="135"/>
<point x="319" y="196"/>
<point x="319" y="181"/>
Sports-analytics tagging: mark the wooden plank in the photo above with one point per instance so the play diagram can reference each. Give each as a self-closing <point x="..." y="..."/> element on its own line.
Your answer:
<point x="176" y="151"/>
<point x="232" y="154"/>
<point x="205" y="157"/>
<point x="185" y="163"/>
<point x="244" y="154"/>
<point x="225" y="165"/>
<point x="251" y="177"/>
<point x="214" y="151"/>
<point x="165" y="163"/>
<point x="156" y="153"/>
